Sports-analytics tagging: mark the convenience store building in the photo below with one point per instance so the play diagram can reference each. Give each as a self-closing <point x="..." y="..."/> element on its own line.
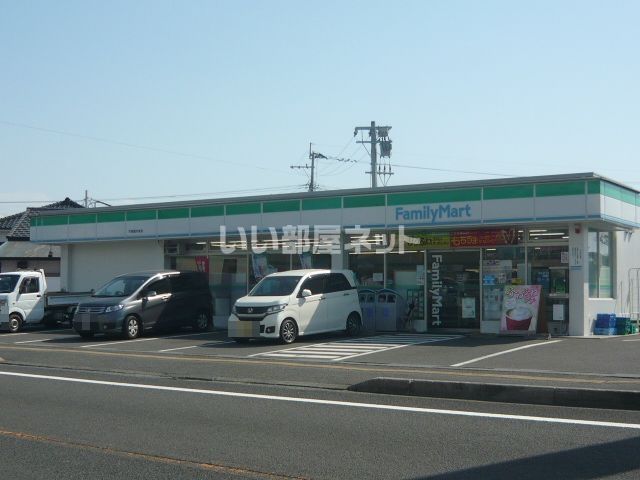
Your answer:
<point x="448" y="249"/>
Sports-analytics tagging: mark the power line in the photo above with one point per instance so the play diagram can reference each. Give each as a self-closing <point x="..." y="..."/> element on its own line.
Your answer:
<point x="419" y="167"/>
<point x="133" y="145"/>
<point x="226" y="192"/>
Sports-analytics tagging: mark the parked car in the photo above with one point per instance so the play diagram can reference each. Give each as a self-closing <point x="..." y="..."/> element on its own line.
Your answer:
<point x="25" y="300"/>
<point x="132" y="303"/>
<point x="287" y="305"/>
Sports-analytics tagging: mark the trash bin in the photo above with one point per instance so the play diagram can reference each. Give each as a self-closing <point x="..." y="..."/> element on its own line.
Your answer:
<point x="368" y="307"/>
<point x="390" y="310"/>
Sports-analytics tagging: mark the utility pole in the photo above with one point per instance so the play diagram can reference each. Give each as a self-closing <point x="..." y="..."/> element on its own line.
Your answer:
<point x="385" y="149"/>
<point x="312" y="156"/>
<point x="92" y="202"/>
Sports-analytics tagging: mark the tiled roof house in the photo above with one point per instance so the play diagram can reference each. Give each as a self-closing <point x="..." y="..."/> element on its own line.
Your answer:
<point x="16" y="227"/>
<point x="16" y="250"/>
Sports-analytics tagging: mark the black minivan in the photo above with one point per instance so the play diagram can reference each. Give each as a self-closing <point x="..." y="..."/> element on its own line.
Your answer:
<point x="135" y="302"/>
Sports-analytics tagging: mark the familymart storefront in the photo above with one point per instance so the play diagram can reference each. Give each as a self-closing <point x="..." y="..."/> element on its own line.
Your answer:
<point x="443" y="253"/>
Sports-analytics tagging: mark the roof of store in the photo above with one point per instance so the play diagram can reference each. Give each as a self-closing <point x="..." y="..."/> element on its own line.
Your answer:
<point x="367" y="191"/>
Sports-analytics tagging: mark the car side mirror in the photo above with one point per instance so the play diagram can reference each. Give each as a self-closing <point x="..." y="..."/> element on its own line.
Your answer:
<point x="306" y="293"/>
<point x="151" y="293"/>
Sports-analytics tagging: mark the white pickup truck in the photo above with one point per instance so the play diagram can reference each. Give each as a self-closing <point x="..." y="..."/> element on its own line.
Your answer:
<point x="24" y="300"/>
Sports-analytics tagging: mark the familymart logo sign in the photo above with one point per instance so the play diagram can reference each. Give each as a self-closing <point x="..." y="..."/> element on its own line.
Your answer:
<point x="434" y="214"/>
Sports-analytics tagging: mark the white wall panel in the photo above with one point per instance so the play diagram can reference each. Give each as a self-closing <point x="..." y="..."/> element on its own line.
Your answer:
<point x="93" y="264"/>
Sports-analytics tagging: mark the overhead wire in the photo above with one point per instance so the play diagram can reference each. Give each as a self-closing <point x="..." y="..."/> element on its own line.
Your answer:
<point x="201" y="194"/>
<point x="133" y="145"/>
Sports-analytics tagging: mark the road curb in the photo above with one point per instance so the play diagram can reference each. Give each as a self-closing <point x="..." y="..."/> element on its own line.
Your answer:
<point x="530" y="394"/>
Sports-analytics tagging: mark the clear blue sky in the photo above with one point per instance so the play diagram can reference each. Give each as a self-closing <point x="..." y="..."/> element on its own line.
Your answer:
<point x="238" y="89"/>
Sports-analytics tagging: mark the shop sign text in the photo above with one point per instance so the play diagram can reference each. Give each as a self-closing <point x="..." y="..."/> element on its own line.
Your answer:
<point x="433" y="214"/>
<point x="435" y="290"/>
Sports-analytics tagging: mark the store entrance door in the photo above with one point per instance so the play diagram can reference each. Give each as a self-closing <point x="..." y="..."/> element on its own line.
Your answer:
<point x="453" y="290"/>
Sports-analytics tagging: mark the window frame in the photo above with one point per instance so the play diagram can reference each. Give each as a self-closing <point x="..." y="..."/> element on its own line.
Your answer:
<point x="596" y="284"/>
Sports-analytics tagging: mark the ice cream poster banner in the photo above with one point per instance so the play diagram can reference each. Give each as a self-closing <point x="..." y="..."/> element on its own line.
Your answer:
<point x="520" y="309"/>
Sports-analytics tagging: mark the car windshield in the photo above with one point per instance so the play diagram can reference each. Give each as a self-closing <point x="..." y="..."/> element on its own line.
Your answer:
<point x="121" y="287"/>
<point x="8" y="283"/>
<point x="275" y="286"/>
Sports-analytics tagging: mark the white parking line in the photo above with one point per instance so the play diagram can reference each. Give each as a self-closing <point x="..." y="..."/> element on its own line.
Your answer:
<point x="34" y="341"/>
<point x="179" y="348"/>
<point x="546" y="342"/>
<point x="367" y="353"/>
<point x="634" y="340"/>
<point x="147" y="339"/>
<point x="336" y="403"/>
<point x="12" y="334"/>
<point x="215" y="342"/>
<point x="293" y="355"/>
<point x="118" y="343"/>
<point x="188" y="335"/>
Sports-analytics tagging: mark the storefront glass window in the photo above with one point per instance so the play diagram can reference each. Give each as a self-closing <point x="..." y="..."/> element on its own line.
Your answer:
<point x="500" y="266"/>
<point x="549" y="268"/>
<point x="453" y="289"/>
<point x="195" y="247"/>
<point x="547" y="234"/>
<point x="406" y="276"/>
<point x="309" y="260"/>
<point x="369" y="269"/>
<point x="600" y="261"/>
<point x="228" y="281"/>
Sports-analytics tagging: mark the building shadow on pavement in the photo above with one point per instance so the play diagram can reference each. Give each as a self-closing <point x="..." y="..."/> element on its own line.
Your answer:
<point x="617" y="459"/>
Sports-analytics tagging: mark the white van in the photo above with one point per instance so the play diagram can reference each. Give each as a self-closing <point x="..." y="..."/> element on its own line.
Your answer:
<point x="286" y="305"/>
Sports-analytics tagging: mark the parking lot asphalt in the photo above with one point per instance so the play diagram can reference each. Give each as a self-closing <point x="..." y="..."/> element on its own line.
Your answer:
<point x="595" y="363"/>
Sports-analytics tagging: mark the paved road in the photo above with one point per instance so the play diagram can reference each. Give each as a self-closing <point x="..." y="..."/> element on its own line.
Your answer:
<point x="611" y="360"/>
<point x="72" y="424"/>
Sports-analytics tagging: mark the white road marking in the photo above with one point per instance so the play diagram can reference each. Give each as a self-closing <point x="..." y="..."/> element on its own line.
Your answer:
<point x="118" y="343"/>
<point x="546" y="342"/>
<point x="634" y="340"/>
<point x="187" y="335"/>
<point x="179" y="348"/>
<point x="354" y="347"/>
<point x="219" y="342"/>
<point x="367" y="353"/>
<point x="12" y="334"/>
<point x="146" y="339"/>
<point x="34" y="341"/>
<point x="338" y="403"/>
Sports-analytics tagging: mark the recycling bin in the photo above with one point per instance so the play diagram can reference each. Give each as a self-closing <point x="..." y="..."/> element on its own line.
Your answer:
<point x="368" y="307"/>
<point x="390" y="310"/>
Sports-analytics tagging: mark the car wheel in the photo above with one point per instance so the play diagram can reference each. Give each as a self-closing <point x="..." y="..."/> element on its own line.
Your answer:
<point x="288" y="331"/>
<point x="353" y="325"/>
<point x="201" y="322"/>
<point x="86" y="334"/>
<point x="240" y="340"/>
<point x="15" y="323"/>
<point x="132" y="327"/>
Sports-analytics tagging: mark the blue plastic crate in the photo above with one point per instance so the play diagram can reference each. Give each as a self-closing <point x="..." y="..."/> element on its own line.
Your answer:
<point x="606" y="320"/>
<point x="623" y="321"/>
<point x="605" y="331"/>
